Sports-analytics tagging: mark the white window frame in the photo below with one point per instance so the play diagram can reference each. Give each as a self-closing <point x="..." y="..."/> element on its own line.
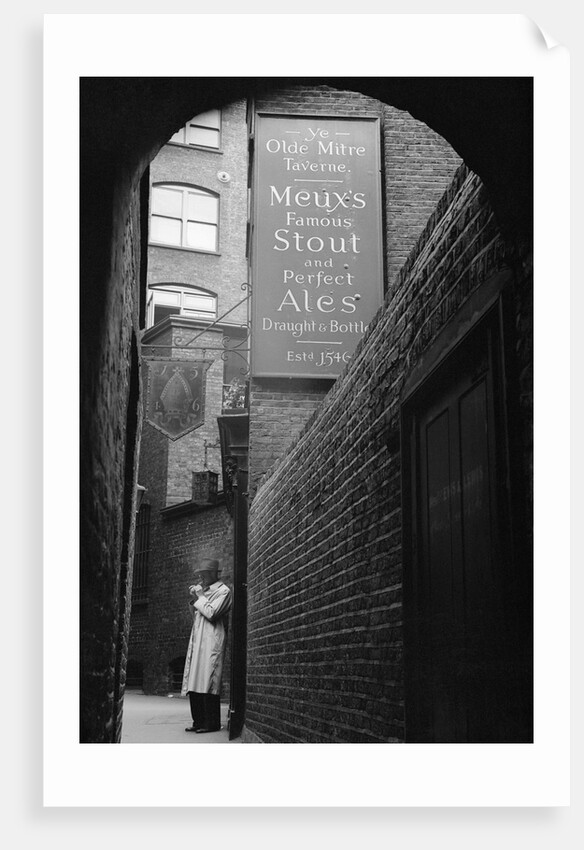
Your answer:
<point x="185" y="190"/>
<point x="182" y="290"/>
<point x="181" y="137"/>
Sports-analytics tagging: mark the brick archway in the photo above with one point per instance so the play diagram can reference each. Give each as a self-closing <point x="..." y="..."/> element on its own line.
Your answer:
<point x="488" y="121"/>
<point x="124" y="122"/>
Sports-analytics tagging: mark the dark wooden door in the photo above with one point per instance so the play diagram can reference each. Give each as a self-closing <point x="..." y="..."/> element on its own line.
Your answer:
<point x="460" y="593"/>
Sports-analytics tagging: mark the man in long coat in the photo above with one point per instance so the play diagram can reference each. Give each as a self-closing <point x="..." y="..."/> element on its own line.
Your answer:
<point x="204" y="662"/>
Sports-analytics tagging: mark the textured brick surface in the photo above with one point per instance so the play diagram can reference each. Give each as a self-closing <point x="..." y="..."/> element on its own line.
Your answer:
<point x="160" y="629"/>
<point x="325" y="578"/>
<point x="109" y="437"/>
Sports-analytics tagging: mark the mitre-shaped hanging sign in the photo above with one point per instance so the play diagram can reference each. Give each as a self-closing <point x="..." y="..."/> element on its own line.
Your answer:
<point x="175" y="402"/>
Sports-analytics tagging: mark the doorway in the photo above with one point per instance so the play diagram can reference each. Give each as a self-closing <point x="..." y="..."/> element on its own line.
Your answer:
<point x="467" y="636"/>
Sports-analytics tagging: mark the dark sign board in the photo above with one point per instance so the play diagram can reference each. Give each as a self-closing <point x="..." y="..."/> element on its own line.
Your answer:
<point x="175" y="401"/>
<point x="317" y="267"/>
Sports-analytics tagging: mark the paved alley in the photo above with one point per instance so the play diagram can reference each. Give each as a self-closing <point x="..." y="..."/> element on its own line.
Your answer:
<point x="162" y="720"/>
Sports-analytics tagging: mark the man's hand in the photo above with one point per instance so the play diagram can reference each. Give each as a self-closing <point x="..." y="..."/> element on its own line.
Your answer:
<point x="196" y="590"/>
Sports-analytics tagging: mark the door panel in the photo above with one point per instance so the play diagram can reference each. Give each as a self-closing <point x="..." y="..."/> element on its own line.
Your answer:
<point x="458" y="568"/>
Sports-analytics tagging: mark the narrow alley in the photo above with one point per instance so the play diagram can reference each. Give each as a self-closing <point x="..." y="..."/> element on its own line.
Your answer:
<point x="155" y="719"/>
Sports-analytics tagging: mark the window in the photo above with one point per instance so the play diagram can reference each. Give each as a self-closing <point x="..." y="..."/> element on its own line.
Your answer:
<point x="204" y="131"/>
<point x="141" y="553"/>
<point x="184" y="217"/>
<point x="167" y="299"/>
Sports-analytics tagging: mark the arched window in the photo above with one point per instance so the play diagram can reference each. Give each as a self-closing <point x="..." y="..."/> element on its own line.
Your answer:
<point x="173" y="299"/>
<point x="184" y="217"/>
<point x="203" y="131"/>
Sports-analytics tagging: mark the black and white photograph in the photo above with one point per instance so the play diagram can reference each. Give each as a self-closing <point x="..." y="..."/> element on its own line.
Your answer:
<point x="307" y="486"/>
<point x="308" y="368"/>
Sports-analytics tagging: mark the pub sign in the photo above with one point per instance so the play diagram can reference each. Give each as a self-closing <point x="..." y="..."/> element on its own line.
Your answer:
<point x="175" y="402"/>
<point x="316" y="251"/>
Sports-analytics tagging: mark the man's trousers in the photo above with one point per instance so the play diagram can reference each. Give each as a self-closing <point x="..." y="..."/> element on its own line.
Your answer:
<point x="205" y="711"/>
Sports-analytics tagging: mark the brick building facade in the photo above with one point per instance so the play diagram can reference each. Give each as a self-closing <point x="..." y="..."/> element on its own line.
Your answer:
<point x="196" y="312"/>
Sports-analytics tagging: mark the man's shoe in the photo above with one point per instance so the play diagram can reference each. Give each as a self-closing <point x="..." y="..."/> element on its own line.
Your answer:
<point x="191" y="729"/>
<point x="200" y="731"/>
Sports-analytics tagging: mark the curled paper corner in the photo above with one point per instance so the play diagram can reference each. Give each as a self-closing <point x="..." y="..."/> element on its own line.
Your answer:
<point x="543" y="36"/>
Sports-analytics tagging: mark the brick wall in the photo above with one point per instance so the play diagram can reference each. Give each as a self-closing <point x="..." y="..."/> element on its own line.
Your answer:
<point x="325" y="643"/>
<point x="160" y="629"/>
<point x="279" y="411"/>
<point x="418" y="166"/>
<point x="110" y="277"/>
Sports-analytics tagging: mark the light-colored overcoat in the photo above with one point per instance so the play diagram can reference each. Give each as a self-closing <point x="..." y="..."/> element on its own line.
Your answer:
<point x="206" y="650"/>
